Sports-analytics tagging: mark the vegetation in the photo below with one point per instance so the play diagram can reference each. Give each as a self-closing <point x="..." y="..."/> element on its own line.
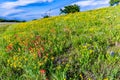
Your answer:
<point x="4" y="20"/>
<point x="113" y="2"/>
<point x="70" y="9"/>
<point x="79" y="46"/>
<point x="3" y="28"/>
<point x="46" y="16"/>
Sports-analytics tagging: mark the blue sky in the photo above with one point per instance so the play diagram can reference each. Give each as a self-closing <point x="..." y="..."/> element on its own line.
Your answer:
<point x="33" y="9"/>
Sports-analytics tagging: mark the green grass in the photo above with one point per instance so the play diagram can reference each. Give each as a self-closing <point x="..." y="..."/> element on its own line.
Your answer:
<point x="69" y="47"/>
<point x="3" y="28"/>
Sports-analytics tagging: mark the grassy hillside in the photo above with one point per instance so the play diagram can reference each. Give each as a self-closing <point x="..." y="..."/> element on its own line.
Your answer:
<point x="80" y="46"/>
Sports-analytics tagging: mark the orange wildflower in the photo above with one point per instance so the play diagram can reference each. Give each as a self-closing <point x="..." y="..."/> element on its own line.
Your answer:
<point x="39" y="53"/>
<point x="9" y="47"/>
<point x="42" y="71"/>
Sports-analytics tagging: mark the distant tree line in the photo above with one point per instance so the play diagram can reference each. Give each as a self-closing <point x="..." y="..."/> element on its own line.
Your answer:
<point x="4" y="20"/>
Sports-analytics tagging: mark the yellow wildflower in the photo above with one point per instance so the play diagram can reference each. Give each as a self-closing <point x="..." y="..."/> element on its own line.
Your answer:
<point x="81" y="76"/>
<point x="15" y="58"/>
<point x="26" y="59"/>
<point x="52" y="58"/>
<point x="40" y="63"/>
<point x="8" y="61"/>
<point x="14" y="65"/>
<point x="105" y="79"/>
<point x="91" y="51"/>
<point x="35" y="56"/>
<point x="91" y="29"/>
<point x="59" y="67"/>
<point x="89" y="79"/>
<point x="11" y="65"/>
<point x="84" y="47"/>
<point x="34" y="67"/>
<point x="67" y="65"/>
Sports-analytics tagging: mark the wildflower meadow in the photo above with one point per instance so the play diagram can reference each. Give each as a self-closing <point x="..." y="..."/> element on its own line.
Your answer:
<point x="79" y="46"/>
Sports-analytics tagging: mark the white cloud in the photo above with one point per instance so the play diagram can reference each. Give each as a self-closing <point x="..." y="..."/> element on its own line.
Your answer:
<point x="11" y="5"/>
<point x="92" y="2"/>
<point x="12" y="11"/>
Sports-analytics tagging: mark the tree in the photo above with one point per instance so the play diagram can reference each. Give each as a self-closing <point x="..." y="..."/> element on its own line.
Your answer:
<point x="46" y="16"/>
<point x="70" y="9"/>
<point x="113" y="2"/>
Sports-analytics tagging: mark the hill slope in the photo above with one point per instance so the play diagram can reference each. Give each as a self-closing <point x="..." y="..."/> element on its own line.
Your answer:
<point x="78" y="46"/>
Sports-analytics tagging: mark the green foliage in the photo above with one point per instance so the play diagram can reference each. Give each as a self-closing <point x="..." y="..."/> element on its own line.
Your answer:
<point x="70" y="9"/>
<point x="70" y="47"/>
<point x="46" y="16"/>
<point x="113" y="2"/>
<point x="4" y="20"/>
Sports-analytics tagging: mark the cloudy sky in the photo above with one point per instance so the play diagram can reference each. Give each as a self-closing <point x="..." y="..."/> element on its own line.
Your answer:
<point x="32" y="9"/>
